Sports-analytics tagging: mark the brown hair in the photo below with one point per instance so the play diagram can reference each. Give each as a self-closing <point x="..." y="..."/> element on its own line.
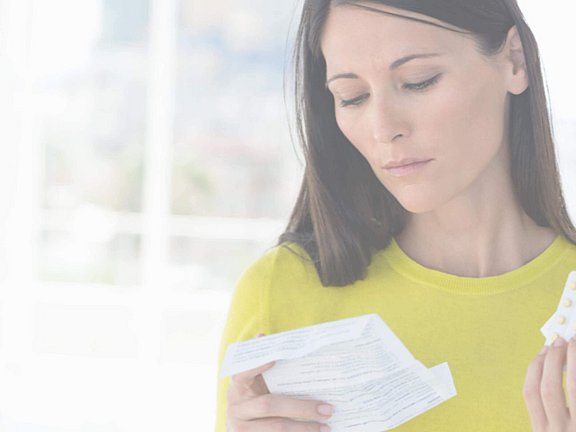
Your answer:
<point x="343" y="214"/>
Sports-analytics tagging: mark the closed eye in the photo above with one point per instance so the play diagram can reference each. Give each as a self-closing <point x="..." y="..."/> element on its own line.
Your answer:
<point x="355" y="101"/>
<point x="423" y="85"/>
<point x="418" y="87"/>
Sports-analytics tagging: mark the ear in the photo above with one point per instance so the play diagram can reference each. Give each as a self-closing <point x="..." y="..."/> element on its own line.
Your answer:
<point x="517" y="74"/>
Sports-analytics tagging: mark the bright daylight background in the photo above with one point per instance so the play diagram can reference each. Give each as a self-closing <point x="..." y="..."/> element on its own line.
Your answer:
<point x="145" y="161"/>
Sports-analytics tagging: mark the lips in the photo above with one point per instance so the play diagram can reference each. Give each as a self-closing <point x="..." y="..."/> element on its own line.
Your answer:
<point x="405" y="166"/>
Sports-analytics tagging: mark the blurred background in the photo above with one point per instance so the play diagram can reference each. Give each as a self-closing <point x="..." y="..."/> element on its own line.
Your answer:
<point x="145" y="162"/>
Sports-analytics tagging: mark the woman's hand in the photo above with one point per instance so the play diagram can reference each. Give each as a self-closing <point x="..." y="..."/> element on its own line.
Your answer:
<point x="251" y="407"/>
<point x="543" y="392"/>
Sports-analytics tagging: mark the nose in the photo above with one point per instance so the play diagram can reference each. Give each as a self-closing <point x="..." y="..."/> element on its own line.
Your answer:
<point x="388" y="121"/>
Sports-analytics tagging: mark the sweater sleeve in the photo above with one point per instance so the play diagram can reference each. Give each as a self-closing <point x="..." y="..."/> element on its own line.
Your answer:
<point x="247" y="316"/>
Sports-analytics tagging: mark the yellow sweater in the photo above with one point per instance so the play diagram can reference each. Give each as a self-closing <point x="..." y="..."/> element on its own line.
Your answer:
<point x="487" y="329"/>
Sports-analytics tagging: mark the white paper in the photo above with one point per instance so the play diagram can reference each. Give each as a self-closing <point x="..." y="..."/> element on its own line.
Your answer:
<point x="243" y="356"/>
<point x="358" y="365"/>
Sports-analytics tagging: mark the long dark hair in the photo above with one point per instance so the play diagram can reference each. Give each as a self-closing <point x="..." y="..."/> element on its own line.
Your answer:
<point x="343" y="213"/>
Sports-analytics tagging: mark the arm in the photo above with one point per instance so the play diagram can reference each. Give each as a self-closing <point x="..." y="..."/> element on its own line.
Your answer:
<point x="244" y="402"/>
<point x="244" y="321"/>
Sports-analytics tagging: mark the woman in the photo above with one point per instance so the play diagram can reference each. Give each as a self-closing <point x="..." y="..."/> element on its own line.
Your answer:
<point x="431" y="196"/>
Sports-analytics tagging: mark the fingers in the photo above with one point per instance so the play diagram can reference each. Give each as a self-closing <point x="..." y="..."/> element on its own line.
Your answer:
<point x="531" y="392"/>
<point x="248" y="384"/>
<point x="280" y="406"/>
<point x="571" y="377"/>
<point x="551" y="388"/>
<point x="246" y="379"/>
<point x="252" y="408"/>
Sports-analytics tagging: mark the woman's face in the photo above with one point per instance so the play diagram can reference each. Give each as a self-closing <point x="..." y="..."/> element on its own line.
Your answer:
<point x="433" y="129"/>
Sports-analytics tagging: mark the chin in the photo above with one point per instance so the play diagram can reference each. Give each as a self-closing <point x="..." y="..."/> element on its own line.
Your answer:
<point x="417" y="209"/>
<point x="417" y="204"/>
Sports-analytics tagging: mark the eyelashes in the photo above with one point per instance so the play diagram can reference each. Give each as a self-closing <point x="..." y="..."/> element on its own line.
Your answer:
<point x="417" y="87"/>
<point x="423" y="85"/>
<point x="354" y="102"/>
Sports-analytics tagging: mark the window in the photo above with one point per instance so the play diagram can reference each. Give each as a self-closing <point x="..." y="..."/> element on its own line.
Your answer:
<point x="154" y="164"/>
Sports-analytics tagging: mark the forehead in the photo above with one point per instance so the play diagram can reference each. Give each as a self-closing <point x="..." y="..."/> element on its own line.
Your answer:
<point x="352" y="34"/>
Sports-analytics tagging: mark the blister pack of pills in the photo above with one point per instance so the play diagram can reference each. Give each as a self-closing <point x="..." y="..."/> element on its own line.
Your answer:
<point x="563" y="322"/>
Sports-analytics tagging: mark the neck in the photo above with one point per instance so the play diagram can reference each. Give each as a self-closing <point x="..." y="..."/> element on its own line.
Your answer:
<point x="478" y="238"/>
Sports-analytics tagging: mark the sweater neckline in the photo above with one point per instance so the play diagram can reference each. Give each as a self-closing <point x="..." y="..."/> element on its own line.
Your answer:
<point x="523" y="275"/>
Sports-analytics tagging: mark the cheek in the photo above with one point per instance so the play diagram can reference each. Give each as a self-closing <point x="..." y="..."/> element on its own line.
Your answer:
<point x="472" y="123"/>
<point x="459" y="122"/>
<point x="357" y="133"/>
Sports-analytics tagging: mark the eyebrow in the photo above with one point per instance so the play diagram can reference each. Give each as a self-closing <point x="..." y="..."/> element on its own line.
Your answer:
<point x="392" y="67"/>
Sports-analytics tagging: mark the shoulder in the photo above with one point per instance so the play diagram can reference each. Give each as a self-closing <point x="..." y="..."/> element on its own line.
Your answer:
<point x="281" y="269"/>
<point x="281" y="263"/>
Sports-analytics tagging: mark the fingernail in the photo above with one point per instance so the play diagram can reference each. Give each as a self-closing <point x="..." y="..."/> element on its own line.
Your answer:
<point x="559" y="341"/>
<point x="325" y="410"/>
<point x="324" y="429"/>
<point x="543" y="350"/>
